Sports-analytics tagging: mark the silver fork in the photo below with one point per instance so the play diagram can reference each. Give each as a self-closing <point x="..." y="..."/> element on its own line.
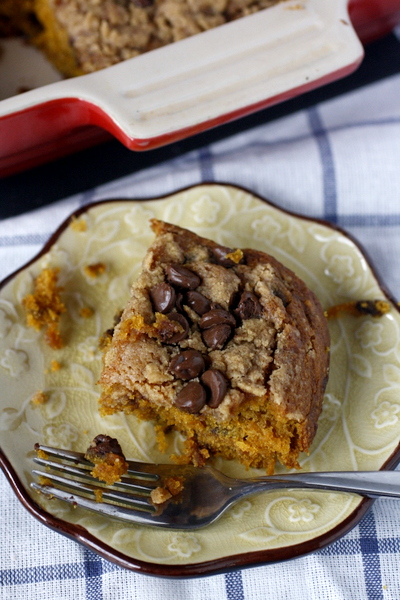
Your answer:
<point x="206" y="492"/>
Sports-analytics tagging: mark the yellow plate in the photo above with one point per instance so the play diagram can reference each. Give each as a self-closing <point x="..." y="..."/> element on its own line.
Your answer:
<point x="358" y="430"/>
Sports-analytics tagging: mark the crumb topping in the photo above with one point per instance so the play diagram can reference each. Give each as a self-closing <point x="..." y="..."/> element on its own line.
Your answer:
<point x="172" y="486"/>
<point x="160" y="495"/>
<point x="104" y="33"/>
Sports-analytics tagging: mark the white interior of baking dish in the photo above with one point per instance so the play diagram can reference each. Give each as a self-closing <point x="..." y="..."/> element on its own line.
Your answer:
<point x="220" y="71"/>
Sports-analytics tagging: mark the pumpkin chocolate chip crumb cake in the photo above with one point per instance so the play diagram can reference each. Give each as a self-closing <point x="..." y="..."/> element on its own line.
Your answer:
<point x="227" y="346"/>
<point x="108" y="459"/>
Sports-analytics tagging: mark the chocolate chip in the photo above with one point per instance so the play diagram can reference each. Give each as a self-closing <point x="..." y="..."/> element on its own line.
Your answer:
<point x="215" y="305"/>
<point x="163" y="297"/>
<point x="191" y="398"/>
<point x="217" y="316"/>
<point x="220" y="253"/>
<point x="103" y="445"/>
<point x="187" y="365"/>
<point x="284" y="295"/>
<point x="142" y="3"/>
<point x="179" y="335"/>
<point x="179" y="302"/>
<point x="182" y="277"/>
<point x="217" y="384"/>
<point x="249" y="306"/>
<point x="216" y="337"/>
<point x="197" y="302"/>
<point x="369" y="307"/>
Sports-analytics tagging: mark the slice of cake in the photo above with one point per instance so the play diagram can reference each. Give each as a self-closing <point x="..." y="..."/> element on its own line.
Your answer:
<point x="227" y="346"/>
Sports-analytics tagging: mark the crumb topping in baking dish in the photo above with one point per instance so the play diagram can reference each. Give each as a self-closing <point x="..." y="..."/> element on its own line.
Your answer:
<point x="82" y="36"/>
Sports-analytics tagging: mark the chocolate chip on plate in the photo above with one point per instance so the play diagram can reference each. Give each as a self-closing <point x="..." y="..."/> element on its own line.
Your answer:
<point x="249" y="306"/>
<point x="217" y="316"/>
<point x="187" y="365"/>
<point x="179" y="335"/>
<point x="216" y="382"/>
<point x="163" y="297"/>
<point x="182" y="277"/>
<point x="192" y="397"/>
<point x="197" y="302"/>
<point x="216" y="337"/>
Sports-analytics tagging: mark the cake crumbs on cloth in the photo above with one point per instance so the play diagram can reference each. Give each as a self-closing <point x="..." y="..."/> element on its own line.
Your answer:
<point x="44" y="306"/>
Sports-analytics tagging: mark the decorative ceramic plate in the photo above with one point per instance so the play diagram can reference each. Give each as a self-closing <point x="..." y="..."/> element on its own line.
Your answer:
<point x="358" y="430"/>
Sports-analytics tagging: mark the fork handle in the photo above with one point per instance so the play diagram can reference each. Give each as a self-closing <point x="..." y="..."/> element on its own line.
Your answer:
<point x="373" y="484"/>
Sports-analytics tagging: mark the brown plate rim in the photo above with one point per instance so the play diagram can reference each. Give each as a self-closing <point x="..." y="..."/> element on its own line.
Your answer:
<point x="226" y="563"/>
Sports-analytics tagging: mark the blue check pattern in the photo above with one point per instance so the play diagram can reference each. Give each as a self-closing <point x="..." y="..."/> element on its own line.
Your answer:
<point x="339" y="161"/>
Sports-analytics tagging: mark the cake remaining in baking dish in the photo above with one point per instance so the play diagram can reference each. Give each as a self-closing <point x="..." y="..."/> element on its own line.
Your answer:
<point x="82" y="36"/>
<point x="227" y="346"/>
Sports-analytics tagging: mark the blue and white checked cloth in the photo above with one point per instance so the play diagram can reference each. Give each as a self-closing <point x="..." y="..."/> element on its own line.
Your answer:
<point x="340" y="161"/>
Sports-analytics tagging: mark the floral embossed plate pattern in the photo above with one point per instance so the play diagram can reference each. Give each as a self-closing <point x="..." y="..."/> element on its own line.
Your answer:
<point x="358" y="429"/>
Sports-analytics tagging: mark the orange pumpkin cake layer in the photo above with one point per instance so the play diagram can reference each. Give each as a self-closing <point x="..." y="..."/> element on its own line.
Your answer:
<point x="227" y="346"/>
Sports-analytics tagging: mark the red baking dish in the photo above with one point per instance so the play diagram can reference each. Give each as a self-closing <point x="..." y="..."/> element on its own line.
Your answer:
<point x="184" y="88"/>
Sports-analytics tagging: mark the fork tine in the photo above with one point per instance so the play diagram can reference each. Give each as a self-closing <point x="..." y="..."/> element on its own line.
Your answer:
<point x="84" y="473"/>
<point x="110" y="510"/>
<point x="201" y="494"/>
<point x="138" y="469"/>
<point x="76" y="457"/>
<point x="106" y="492"/>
